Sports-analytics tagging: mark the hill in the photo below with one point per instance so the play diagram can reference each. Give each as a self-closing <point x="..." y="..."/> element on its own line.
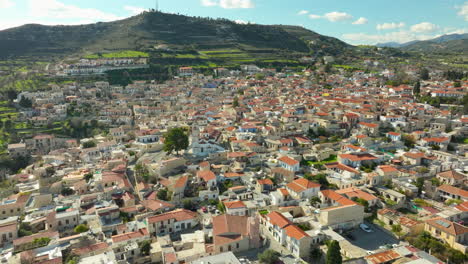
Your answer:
<point x="148" y="30"/>
<point x="453" y="43"/>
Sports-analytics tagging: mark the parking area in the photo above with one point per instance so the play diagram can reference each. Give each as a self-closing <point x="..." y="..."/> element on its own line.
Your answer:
<point x="371" y="241"/>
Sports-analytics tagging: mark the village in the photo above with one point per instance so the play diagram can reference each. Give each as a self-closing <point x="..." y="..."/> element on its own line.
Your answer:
<point x="241" y="166"/>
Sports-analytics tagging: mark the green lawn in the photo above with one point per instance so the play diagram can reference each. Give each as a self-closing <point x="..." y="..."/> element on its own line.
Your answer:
<point x="120" y="54"/>
<point x="332" y="158"/>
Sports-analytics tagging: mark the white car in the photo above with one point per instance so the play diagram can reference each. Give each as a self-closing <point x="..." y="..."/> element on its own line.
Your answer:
<point x="365" y="228"/>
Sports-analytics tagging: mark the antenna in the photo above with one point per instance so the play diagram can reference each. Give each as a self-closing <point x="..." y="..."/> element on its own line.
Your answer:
<point x="157" y="5"/>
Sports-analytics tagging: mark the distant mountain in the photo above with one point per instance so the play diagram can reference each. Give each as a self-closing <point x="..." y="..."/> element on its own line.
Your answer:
<point x="453" y="43"/>
<point x="149" y="29"/>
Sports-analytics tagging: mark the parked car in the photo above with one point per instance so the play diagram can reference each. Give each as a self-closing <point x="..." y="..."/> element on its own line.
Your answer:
<point x="366" y="228"/>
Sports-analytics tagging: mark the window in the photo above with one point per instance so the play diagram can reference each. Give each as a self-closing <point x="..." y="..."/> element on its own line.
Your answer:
<point x="221" y="249"/>
<point x="237" y="245"/>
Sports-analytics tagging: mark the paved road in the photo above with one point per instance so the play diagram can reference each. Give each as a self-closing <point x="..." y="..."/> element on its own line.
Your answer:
<point x="372" y="241"/>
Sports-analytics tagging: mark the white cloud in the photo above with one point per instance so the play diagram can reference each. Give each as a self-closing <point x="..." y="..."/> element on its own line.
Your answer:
<point x="6" y="4"/>
<point x="229" y="4"/>
<point x="393" y="25"/>
<point x="209" y="3"/>
<point x="398" y="36"/>
<point x="337" y="16"/>
<point x="312" y="16"/>
<point x="134" y="10"/>
<point x="361" y="21"/>
<point x="463" y="10"/>
<point x="424" y="27"/>
<point x="303" y="12"/>
<point x="53" y="9"/>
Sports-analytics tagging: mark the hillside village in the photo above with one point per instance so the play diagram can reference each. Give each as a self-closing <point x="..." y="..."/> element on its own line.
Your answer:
<point x="263" y="161"/>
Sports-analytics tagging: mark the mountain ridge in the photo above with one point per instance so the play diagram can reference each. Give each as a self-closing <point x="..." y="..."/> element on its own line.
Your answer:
<point x="148" y="29"/>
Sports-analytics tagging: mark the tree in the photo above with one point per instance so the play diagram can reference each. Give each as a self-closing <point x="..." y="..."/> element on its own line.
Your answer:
<point x="235" y="102"/>
<point x="175" y="140"/>
<point x="25" y="102"/>
<point x="145" y="247"/>
<point x="89" y="144"/>
<point x="424" y="74"/>
<point x="315" y="253"/>
<point x="188" y="204"/>
<point x="417" y="88"/>
<point x="163" y="195"/>
<point x="420" y="184"/>
<point x="314" y="201"/>
<point x="24" y="230"/>
<point x="269" y="256"/>
<point x="88" y="176"/>
<point x="12" y="94"/>
<point x="221" y="207"/>
<point x="334" y="253"/>
<point x="81" y="228"/>
<point x="67" y="191"/>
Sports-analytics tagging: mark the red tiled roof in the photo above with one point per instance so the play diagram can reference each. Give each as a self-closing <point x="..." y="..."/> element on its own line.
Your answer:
<point x="453" y="190"/>
<point x="234" y="204"/>
<point x="289" y="161"/>
<point x="178" y="215"/>
<point x="301" y="185"/>
<point x="206" y="175"/>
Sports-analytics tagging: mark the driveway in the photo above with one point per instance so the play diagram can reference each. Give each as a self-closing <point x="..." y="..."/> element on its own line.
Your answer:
<point x="371" y="241"/>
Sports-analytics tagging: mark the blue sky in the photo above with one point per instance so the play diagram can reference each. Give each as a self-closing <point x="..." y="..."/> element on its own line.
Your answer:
<point x="354" y="21"/>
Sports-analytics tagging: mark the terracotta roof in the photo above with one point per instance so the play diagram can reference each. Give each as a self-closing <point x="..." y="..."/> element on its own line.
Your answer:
<point x="234" y="204"/>
<point x="451" y="175"/>
<point x="181" y="182"/>
<point x="383" y="257"/>
<point x="229" y="228"/>
<point x="358" y="157"/>
<point x="414" y="155"/>
<point x="355" y="192"/>
<point x="155" y="205"/>
<point x="289" y="161"/>
<point x="453" y="190"/>
<point x="447" y="226"/>
<point x="462" y="207"/>
<point x="278" y="219"/>
<point x="90" y="248"/>
<point x="341" y="166"/>
<point x="178" y="215"/>
<point x="265" y="182"/>
<point x="438" y="139"/>
<point x="387" y="168"/>
<point x="206" y="175"/>
<point x="332" y="195"/>
<point x="301" y="185"/>
<point x="295" y="232"/>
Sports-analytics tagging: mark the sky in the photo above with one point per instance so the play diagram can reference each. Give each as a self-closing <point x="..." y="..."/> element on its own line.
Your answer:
<point x="353" y="21"/>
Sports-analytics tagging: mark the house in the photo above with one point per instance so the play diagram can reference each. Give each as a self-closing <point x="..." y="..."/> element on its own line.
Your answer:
<point x="448" y="192"/>
<point x="207" y="177"/>
<point x="8" y="231"/>
<point x="392" y="217"/>
<point x="454" y="234"/>
<point x="236" y="208"/>
<point x="186" y="71"/>
<point x="436" y="142"/>
<point x="264" y="185"/>
<point x="234" y="233"/>
<point x="126" y="246"/>
<point x="282" y="229"/>
<point x="17" y="150"/>
<point x="413" y="158"/>
<point x="451" y="177"/>
<point x="303" y="188"/>
<point x="339" y="212"/>
<point x="171" y="222"/>
<point x="355" y="193"/>
<point x="358" y="159"/>
<point x="13" y="207"/>
<point x="289" y="163"/>
<point x="394" y="136"/>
